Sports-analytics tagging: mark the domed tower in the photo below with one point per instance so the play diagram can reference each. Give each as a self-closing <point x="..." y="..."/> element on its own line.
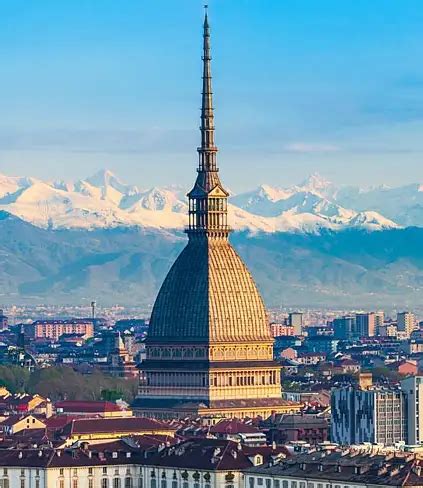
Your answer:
<point x="209" y="347"/>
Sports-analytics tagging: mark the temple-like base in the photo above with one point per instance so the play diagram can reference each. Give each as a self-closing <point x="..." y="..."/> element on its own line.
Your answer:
<point x="172" y="409"/>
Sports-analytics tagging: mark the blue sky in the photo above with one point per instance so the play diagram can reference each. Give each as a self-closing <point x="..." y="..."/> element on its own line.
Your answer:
<point x="300" y="86"/>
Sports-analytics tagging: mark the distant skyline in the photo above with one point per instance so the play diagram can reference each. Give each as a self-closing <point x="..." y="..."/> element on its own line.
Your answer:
<point x="300" y="87"/>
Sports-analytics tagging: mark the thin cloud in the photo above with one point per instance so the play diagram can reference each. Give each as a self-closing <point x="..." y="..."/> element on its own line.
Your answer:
<point x="303" y="147"/>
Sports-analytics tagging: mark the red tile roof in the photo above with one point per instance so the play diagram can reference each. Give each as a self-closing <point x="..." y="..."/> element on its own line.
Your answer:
<point x="57" y="422"/>
<point x="203" y="454"/>
<point x="232" y="426"/>
<point x="123" y="425"/>
<point x="69" y="406"/>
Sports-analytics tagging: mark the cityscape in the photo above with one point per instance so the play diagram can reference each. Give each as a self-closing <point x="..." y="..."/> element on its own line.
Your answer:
<point x="217" y="375"/>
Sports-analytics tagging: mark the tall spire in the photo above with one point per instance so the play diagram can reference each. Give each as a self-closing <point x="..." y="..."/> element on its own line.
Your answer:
<point x="208" y="200"/>
<point x="207" y="151"/>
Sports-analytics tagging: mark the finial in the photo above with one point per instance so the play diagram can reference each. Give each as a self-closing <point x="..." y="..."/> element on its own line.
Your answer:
<point x="206" y="20"/>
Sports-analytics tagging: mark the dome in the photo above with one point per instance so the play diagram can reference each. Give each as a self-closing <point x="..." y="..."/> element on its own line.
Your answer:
<point x="209" y="296"/>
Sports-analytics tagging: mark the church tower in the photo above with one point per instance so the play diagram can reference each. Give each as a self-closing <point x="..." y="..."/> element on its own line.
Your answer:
<point x="209" y="347"/>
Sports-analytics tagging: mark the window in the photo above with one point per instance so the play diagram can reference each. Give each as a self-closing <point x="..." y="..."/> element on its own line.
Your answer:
<point x="276" y="484"/>
<point x="62" y="471"/>
<point x="260" y="481"/>
<point x="268" y="483"/>
<point x="294" y="484"/>
<point x="285" y="484"/>
<point x="6" y="483"/>
<point x="128" y="482"/>
<point x="153" y="483"/>
<point x="185" y="484"/>
<point x="22" y="483"/>
<point x="104" y="470"/>
<point x="5" y="471"/>
<point x="37" y="483"/>
<point x="75" y="483"/>
<point x="163" y="484"/>
<point x="174" y="484"/>
<point x="140" y="483"/>
<point x="90" y="483"/>
<point x="90" y="471"/>
<point x="251" y="482"/>
<point x="116" y="483"/>
<point x="104" y="481"/>
<point x="302" y="484"/>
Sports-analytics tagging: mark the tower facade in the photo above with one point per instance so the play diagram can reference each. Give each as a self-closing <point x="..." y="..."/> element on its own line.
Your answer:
<point x="209" y="347"/>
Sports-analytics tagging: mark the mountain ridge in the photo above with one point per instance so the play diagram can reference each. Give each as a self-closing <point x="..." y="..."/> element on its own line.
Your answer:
<point x="104" y="200"/>
<point x="126" y="265"/>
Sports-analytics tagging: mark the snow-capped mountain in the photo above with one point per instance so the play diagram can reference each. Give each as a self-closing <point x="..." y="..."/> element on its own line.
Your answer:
<point x="103" y="200"/>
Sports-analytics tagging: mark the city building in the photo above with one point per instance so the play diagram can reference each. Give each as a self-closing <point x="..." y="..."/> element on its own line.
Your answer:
<point x="387" y="330"/>
<point x="325" y="344"/>
<point x="120" y="363"/>
<point x="206" y="463"/>
<point x="279" y="330"/>
<point x="54" y="329"/>
<point x="235" y="430"/>
<point x="375" y="415"/>
<point x="4" y="321"/>
<point x="311" y="358"/>
<point x="295" y="320"/>
<point x="367" y="323"/>
<point x="414" y="346"/>
<point x="102" y="429"/>
<point x="344" y="328"/>
<point x="209" y="346"/>
<point x="406" y="322"/>
<point x="348" y="468"/>
<point x="309" y="428"/>
<point x="17" y="423"/>
<point x="91" y="409"/>
<point x="413" y="389"/>
<point x="73" y="468"/>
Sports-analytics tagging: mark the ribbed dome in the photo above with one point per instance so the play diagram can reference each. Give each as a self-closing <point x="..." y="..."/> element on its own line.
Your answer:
<point x="209" y="296"/>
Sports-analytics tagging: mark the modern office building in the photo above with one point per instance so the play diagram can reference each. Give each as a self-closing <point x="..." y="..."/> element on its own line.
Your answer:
<point x="375" y="415"/>
<point x="413" y="390"/>
<point x="367" y="323"/>
<point x="406" y="322"/>
<point x="344" y="328"/>
<point x="295" y="320"/>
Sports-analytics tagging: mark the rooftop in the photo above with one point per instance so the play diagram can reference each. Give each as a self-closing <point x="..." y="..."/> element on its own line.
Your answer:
<point x="352" y="465"/>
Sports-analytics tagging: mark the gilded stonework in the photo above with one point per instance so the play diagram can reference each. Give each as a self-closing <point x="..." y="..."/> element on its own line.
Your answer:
<point x="209" y="346"/>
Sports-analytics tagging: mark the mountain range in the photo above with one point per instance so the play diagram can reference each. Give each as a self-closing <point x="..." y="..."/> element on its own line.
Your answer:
<point x="104" y="201"/>
<point x="312" y="244"/>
